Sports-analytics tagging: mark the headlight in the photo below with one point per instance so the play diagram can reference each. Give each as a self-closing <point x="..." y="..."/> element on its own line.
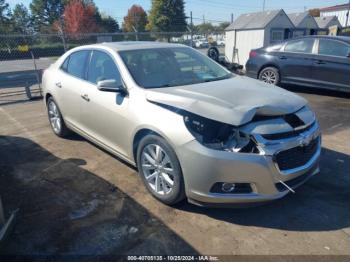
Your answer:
<point x="219" y="136"/>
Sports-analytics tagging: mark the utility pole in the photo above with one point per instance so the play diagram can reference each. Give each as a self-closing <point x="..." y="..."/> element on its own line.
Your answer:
<point x="203" y="19"/>
<point x="61" y="29"/>
<point x="191" y="29"/>
<point x="264" y="2"/>
<point x="347" y="15"/>
<point x="136" y="26"/>
<point x="231" y="18"/>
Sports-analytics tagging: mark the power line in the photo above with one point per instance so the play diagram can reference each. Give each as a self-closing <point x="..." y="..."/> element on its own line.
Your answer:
<point x="245" y="7"/>
<point x="210" y="20"/>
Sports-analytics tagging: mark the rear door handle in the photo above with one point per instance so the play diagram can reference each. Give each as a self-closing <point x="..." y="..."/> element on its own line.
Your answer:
<point x="283" y="57"/>
<point x="85" y="97"/>
<point x="59" y="85"/>
<point x="320" y="62"/>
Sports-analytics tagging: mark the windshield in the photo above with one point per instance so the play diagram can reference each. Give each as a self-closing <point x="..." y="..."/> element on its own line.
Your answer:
<point x="165" y="67"/>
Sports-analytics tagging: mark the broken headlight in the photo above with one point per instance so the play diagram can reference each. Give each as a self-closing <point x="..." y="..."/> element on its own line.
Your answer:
<point x="219" y="136"/>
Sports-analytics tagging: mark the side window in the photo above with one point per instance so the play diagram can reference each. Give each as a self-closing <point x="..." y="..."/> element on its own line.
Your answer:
<point x="76" y="64"/>
<point x="333" y="48"/>
<point x="102" y="67"/>
<point x="64" y="66"/>
<point x="300" y="46"/>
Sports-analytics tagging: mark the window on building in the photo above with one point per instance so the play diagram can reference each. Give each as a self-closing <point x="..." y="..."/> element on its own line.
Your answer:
<point x="277" y="36"/>
<point x="298" y="33"/>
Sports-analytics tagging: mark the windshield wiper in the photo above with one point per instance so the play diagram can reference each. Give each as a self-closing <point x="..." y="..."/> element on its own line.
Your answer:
<point x="160" y="86"/>
<point x="218" y="78"/>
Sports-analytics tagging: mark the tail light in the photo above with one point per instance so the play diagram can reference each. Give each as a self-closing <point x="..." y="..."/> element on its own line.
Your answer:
<point x="253" y="54"/>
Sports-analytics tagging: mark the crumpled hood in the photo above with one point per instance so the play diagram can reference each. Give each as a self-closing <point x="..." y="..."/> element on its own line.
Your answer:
<point x="233" y="101"/>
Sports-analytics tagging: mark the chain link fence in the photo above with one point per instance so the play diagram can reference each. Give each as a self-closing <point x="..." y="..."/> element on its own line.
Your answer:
<point x="24" y="57"/>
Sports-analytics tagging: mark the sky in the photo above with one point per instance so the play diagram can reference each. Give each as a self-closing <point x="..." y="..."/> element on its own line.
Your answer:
<point x="209" y="10"/>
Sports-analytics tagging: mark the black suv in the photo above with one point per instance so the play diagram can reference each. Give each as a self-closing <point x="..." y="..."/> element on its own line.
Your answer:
<point x="316" y="61"/>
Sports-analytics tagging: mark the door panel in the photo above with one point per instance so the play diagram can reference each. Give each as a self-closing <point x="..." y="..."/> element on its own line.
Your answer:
<point x="69" y="98"/>
<point x="68" y="83"/>
<point x="332" y="67"/>
<point x="296" y="67"/>
<point x="296" y="61"/>
<point x="105" y="115"/>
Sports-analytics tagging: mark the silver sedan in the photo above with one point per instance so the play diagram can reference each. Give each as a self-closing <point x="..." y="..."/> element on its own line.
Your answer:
<point x="193" y="129"/>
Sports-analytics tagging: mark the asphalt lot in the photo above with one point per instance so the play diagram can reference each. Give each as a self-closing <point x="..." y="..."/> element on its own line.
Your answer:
<point x="74" y="198"/>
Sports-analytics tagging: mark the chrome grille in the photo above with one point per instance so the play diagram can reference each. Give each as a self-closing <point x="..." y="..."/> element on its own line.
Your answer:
<point x="297" y="156"/>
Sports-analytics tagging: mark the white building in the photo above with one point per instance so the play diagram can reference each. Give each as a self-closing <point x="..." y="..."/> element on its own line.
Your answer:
<point x="305" y="24"/>
<point x="255" y="30"/>
<point x="340" y="11"/>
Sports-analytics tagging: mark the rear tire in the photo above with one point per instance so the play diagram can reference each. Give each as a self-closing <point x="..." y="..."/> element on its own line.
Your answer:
<point x="56" y="120"/>
<point x="213" y="53"/>
<point x="270" y="75"/>
<point x="160" y="170"/>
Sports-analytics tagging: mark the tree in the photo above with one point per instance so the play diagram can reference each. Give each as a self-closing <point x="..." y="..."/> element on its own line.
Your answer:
<point x="135" y="19"/>
<point x="167" y="16"/>
<point x="204" y="28"/>
<point x="45" y="13"/>
<point x="222" y="26"/>
<point x="108" y="24"/>
<point x="5" y="14"/>
<point x="21" y="20"/>
<point x="79" y="18"/>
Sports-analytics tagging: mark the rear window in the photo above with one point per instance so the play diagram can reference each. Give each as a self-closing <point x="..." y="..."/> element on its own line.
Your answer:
<point x="274" y="48"/>
<point x="64" y="66"/>
<point x="300" y="46"/>
<point x="75" y="64"/>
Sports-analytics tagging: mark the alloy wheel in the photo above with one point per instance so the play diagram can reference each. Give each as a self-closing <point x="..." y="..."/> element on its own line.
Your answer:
<point x="55" y="118"/>
<point x="269" y="77"/>
<point x="157" y="169"/>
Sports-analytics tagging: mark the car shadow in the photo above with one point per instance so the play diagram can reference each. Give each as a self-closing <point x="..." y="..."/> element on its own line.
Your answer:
<point x="322" y="204"/>
<point x="67" y="210"/>
<point x="332" y="108"/>
<point x="316" y="91"/>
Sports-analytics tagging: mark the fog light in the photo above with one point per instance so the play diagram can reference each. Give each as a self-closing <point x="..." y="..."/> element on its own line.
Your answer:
<point x="228" y="187"/>
<point x="231" y="188"/>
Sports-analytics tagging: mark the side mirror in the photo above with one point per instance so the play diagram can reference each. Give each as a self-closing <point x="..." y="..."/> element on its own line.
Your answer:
<point x="110" y="85"/>
<point x="348" y="55"/>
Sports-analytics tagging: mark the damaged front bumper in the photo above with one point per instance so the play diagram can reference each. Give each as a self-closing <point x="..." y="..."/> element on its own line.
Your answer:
<point x="281" y="165"/>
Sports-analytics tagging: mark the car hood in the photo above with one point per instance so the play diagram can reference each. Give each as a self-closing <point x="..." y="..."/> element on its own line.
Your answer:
<point x="233" y="101"/>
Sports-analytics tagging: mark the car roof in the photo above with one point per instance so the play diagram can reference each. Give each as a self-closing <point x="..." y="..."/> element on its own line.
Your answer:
<point x="135" y="45"/>
<point x="341" y="38"/>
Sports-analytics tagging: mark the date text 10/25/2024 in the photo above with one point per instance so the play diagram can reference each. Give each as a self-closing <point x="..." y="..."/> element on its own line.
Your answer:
<point x="173" y="258"/>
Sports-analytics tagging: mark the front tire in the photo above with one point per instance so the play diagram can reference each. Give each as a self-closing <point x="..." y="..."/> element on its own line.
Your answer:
<point x="160" y="170"/>
<point x="270" y="75"/>
<point x="56" y="120"/>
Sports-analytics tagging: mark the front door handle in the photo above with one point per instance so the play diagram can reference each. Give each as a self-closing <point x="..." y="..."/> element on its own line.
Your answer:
<point x="59" y="85"/>
<point x="320" y="62"/>
<point x="85" y="97"/>
<point x="283" y="57"/>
